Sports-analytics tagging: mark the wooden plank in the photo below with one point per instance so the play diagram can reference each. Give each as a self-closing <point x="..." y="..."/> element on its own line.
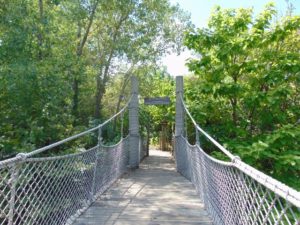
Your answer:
<point x="157" y="101"/>
<point x="153" y="194"/>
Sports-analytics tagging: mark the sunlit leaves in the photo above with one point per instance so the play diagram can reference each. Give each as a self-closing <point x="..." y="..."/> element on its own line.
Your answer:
<point x="248" y="74"/>
<point x="44" y="49"/>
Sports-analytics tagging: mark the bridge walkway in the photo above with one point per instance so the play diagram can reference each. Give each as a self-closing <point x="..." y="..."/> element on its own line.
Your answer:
<point x="154" y="194"/>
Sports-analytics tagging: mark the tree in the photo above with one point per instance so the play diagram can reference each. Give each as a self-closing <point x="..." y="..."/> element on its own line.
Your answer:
<point x="248" y="79"/>
<point x="134" y="33"/>
<point x="154" y="82"/>
<point x="57" y="58"/>
<point x="33" y="87"/>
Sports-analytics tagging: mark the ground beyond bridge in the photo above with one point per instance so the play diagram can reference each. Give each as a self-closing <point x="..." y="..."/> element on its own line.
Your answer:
<point x="85" y="188"/>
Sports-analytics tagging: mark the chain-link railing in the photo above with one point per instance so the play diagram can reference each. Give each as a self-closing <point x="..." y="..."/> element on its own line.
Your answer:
<point x="143" y="148"/>
<point x="56" y="190"/>
<point x="235" y="193"/>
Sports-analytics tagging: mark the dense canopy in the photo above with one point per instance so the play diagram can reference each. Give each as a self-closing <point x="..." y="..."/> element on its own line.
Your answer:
<point x="65" y="65"/>
<point x="245" y="88"/>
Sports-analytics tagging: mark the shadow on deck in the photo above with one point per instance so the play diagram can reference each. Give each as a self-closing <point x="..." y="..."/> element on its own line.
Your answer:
<point x="154" y="194"/>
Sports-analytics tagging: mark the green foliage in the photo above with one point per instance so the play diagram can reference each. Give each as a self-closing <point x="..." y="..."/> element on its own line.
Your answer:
<point x="159" y="83"/>
<point x="246" y="87"/>
<point x="276" y="153"/>
<point x="153" y="82"/>
<point x="57" y="58"/>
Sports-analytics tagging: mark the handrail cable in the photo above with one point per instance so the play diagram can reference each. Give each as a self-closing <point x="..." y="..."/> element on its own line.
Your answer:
<point x="279" y="188"/>
<point x="217" y="144"/>
<point x="22" y="156"/>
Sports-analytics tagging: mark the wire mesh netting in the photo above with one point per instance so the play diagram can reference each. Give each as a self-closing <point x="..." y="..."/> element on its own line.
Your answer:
<point x="54" y="190"/>
<point x="143" y="147"/>
<point x="235" y="193"/>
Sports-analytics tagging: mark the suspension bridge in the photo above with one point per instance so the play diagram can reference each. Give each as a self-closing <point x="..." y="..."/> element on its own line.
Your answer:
<point x="120" y="184"/>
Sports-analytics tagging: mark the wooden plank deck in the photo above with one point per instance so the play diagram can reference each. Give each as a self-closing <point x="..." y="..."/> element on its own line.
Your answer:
<point x="154" y="194"/>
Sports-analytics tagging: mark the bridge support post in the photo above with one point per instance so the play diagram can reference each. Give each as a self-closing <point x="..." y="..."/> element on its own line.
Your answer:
<point x="134" y="137"/>
<point x="179" y="117"/>
<point x="181" y="155"/>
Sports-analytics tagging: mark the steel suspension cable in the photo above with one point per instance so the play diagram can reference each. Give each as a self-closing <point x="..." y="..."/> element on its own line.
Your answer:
<point x="285" y="192"/>
<point x="217" y="144"/>
<point x="55" y="190"/>
<point x="22" y="156"/>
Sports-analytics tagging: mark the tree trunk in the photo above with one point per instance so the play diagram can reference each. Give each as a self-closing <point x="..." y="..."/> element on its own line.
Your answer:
<point x="100" y="90"/>
<point x="251" y="119"/>
<point x="148" y="137"/>
<point x="87" y="30"/>
<point x="124" y="85"/>
<point x="234" y="111"/>
<point x="233" y="101"/>
<point x="75" y="97"/>
<point x="234" y="115"/>
<point x="98" y="97"/>
<point x="40" y="35"/>
<point x="121" y="94"/>
<point x="81" y="43"/>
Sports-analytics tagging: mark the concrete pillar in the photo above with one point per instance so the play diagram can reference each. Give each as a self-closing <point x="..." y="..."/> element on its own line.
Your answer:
<point x="134" y="136"/>
<point x="179" y="117"/>
<point x="181" y="155"/>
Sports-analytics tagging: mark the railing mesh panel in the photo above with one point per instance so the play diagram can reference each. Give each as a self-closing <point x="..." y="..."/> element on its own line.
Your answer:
<point x="5" y="194"/>
<point x="143" y="148"/>
<point x="231" y="196"/>
<point x="55" y="190"/>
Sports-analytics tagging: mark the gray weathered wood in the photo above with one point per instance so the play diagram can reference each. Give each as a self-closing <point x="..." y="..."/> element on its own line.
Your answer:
<point x="180" y="151"/>
<point x="134" y="138"/>
<point x="179" y="117"/>
<point x="157" y="101"/>
<point x="153" y="194"/>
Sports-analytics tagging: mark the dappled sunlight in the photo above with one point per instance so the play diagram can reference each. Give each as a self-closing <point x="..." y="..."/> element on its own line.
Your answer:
<point x="153" y="194"/>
